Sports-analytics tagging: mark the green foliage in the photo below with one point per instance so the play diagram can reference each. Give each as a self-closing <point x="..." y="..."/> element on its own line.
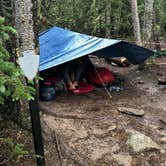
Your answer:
<point x="11" y="86"/>
<point x="15" y="150"/>
<point x="89" y="16"/>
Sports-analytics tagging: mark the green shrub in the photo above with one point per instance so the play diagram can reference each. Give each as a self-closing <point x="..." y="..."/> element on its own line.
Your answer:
<point x="11" y="85"/>
<point x="14" y="150"/>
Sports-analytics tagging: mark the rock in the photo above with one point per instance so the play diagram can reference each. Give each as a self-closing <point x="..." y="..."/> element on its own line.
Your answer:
<point x="138" y="142"/>
<point x="162" y="81"/>
<point x="97" y="131"/>
<point x="162" y="151"/>
<point x="141" y="82"/>
<point x="131" y="111"/>
<point x="163" y="140"/>
<point x="123" y="159"/>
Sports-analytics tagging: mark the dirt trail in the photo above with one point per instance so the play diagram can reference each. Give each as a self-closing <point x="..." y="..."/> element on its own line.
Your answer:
<point x="88" y="129"/>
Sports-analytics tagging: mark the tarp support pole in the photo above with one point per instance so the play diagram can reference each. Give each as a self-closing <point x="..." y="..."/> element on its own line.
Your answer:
<point x="36" y="130"/>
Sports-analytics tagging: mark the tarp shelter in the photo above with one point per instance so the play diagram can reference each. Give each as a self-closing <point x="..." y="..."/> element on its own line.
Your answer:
<point x="58" y="46"/>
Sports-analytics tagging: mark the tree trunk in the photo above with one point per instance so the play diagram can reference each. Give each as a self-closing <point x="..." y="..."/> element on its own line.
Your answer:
<point x="136" y="22"/>
<point x="73" y="14"/>
<point x="156" y="31"/>
<point x="23" y="17"/>
<point x="148" y="23"/>
<point x="35" y="21"/>
<point x="23" y="14"/>
<point x="24" y="24"/>
<point x="108" y="19"/>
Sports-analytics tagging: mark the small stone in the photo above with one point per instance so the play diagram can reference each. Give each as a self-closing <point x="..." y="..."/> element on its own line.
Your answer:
<point x="131" y="111"/>
<point x="162" y="151"/>
<point x="111" y="128"/>
<point x="139" y="142"/>
<point x="98" y="131"/>
<point x="162" y="81"/>
<point x="138" y="78"/>
<point x="123" y="159"/>
<point x="141" y="82"/>
<point x="163" y="140"/>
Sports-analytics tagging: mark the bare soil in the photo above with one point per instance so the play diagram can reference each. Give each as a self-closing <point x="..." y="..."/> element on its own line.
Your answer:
<point x="87" y="129"/>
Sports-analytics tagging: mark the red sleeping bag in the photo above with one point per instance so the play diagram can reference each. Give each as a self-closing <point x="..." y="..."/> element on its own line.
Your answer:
<point x="83" y="88"/>
<point x="100" y="75"/>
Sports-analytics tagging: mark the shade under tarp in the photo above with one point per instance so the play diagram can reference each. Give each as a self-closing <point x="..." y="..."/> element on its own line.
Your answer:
<point x="59" y="45"/>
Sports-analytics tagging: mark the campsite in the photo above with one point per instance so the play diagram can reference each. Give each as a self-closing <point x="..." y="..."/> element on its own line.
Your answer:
<point x="102" y="126"/>
<point x="91" y="131"/>
<point x="82" y="83"/>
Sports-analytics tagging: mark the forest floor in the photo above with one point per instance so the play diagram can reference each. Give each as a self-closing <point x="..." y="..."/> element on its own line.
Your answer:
<point x="16" y="145"/>
<point x="88" y="129"/>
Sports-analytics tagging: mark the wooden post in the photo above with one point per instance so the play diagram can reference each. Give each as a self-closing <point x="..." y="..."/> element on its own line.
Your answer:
<point x="36" y="130"/>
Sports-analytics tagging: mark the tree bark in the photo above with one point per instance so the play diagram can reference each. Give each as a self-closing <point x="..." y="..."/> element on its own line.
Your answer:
<point x="136" y="22"/>
<point x="23" y="16"/>
<point x="24" y="24"/>
<point x="108" y="19"/>
<point x="156" y="31"/>
<point x="148" y="23"/>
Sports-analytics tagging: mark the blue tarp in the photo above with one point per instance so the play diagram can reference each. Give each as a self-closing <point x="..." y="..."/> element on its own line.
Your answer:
<point x="59" y="45"/>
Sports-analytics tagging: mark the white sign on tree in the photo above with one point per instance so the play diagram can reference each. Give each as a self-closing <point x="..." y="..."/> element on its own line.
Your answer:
<point x="29" y="63"/>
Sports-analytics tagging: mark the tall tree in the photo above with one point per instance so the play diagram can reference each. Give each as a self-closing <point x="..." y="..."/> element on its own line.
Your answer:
<point x="136" y="22"/>
<point x="148" y="22"/>
<point x="163" y="17"/>
<point x="23" y="15"/>
<point x="108" y="19"/>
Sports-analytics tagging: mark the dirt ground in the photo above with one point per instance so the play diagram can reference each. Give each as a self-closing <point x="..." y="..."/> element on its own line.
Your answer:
<point x="88" y="129"/>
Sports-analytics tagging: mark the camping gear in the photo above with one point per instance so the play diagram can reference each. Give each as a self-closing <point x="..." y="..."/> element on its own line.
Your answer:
<point x="115" y="89"/>
<point x="59" y="84"/>
<point x="83" y="87"/>
<point x="121" y="62"/>
<point x="47" y="91"/>
<point x="53" y="79"/>
<point x="58" y="46"/>
<point x="99" y="76"/>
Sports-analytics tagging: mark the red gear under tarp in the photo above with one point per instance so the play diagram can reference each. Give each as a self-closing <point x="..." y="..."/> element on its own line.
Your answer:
<point x="52" y="79"/>
<point x="83" y="88"/>
<point x="100" y="75"/>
